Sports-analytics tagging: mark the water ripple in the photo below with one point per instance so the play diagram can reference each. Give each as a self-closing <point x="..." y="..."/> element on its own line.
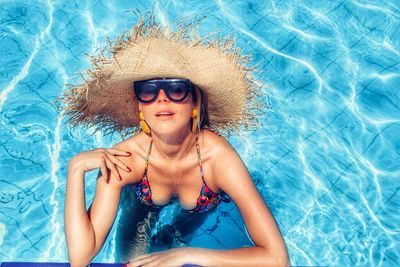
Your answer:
<point x="325" y="157"/>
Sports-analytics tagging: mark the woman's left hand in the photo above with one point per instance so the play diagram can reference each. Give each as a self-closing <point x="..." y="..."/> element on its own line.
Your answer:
<point x="171" y="257"/>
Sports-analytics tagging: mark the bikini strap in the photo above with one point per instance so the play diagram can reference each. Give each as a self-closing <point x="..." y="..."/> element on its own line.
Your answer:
<point x="199" y="158"/>
<point x="147" y="157"/>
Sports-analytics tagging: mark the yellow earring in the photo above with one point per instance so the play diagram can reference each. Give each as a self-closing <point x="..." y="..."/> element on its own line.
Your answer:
<point x="194" y="120"/>
<point x="143" y="124"/>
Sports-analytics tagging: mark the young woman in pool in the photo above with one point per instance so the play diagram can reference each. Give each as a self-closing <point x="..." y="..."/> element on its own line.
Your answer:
<point x="174" y="87"/>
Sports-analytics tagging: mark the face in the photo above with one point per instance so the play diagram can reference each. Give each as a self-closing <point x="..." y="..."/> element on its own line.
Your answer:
<point x="165" y="116"/>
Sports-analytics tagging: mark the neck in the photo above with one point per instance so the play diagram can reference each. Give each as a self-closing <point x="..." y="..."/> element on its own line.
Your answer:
<point x="174" y="146"/>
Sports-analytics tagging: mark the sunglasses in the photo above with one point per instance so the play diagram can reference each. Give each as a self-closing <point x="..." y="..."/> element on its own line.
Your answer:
<point x="176" y="90"/>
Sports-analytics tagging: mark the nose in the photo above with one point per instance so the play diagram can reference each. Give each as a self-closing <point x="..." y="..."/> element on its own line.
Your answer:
<point x="162" y="97"/>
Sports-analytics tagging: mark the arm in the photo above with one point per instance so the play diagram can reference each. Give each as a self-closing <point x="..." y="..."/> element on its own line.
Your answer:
<point x="86" y="231"/>
<point x="269" y="249"/>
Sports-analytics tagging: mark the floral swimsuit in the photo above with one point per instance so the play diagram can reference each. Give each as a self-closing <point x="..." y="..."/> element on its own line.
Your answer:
<point x="207" y="200"/>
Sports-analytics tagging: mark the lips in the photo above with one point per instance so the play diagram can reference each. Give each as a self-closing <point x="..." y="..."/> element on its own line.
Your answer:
<point x="165" y="113"/>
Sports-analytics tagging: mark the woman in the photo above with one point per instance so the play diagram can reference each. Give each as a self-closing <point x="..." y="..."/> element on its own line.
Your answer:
<point x="173" y="86"/>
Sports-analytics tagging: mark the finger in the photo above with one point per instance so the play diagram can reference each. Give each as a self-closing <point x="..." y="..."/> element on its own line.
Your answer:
<point x="147" y="255"/>
<point x="118" y="162"/>
<point x="143" y="262"/>
<point x="104" y="172"/>
<point x="119" y="152"/>
<point x="112" y="168"/>
<point x="143" y="259"/>
<point x="154" y="263"/>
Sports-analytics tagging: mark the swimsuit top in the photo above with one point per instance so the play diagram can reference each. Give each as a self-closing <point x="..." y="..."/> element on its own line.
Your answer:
<point x="207" y="200"/>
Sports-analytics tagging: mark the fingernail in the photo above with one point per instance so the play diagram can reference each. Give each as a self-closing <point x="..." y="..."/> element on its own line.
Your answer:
<point x="129" y="169"/>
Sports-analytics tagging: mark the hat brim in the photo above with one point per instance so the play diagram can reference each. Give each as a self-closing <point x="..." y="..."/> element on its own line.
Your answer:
<point x="105" y="99"/>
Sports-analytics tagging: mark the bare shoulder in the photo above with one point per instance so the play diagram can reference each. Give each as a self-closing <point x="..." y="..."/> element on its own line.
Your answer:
<point x="214" y="143"/>
<point x="218" y="154"/>
<point x="228" y="167"/>
<point x="136" y="145"/>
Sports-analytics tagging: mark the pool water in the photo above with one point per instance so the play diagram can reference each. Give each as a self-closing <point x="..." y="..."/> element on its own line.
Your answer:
<point x="326" y="158"/>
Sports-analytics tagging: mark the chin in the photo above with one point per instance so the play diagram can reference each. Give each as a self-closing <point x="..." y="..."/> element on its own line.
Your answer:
<point x="171" y="129"/>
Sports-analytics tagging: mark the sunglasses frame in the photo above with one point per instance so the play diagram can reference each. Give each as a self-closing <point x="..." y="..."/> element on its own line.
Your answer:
<point x="162" y="83"/>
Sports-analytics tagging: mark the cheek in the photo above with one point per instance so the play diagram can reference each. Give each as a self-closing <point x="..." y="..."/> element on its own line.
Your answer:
<point x="187" y="111"/>
<point x="147" y="109"/>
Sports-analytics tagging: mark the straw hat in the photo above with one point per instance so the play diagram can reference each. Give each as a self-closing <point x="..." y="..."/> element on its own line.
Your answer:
<point x="105" y="98"/>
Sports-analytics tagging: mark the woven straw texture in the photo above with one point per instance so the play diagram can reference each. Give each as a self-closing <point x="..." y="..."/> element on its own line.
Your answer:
<point x="105" y="98"/>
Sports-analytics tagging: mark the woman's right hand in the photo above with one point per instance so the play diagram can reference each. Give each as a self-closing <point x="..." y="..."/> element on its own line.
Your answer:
<point x="104" y="158"/>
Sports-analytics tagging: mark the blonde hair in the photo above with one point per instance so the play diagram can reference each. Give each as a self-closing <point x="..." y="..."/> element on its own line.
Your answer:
<point x="201" y="106"/>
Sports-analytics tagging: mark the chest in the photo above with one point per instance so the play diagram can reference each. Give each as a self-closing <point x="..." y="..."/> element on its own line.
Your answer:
<point x="182" y="179"/>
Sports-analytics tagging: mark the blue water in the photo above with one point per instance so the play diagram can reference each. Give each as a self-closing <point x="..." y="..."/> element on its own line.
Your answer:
<point x="326" y="158"/>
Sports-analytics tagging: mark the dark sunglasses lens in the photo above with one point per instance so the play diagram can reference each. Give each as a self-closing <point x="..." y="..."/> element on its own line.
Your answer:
<point x="177" y="91"/>
<point x="146" y="91"/>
